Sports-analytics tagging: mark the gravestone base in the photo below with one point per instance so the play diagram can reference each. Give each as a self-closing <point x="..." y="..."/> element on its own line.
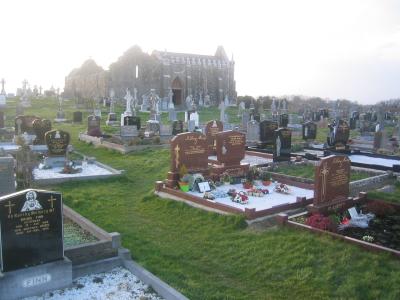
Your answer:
<point x="54" y="161"/>
<point x="172" y="180"/>
<point x="232" y="170"/>
<point x="331" y="206"/>
<point x="36" y="280"/>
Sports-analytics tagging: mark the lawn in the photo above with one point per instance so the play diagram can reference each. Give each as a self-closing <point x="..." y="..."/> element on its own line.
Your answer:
<point x="307" y="171"/>
<point x="209" y="256"/>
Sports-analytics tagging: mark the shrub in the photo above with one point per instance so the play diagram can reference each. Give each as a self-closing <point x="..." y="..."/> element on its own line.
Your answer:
<point x="321" y="222"/>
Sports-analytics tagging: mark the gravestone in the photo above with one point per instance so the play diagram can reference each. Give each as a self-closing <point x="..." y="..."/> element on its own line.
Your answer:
<point x="283" y="120"/>
<point x="353" y="123"/>
<point x="132" y="121"/>
<point x="331" y="187"/>
<point x="245" y="119"/>
<point x="31" y="229"/>
<point x="152" y="128"/>
<point x="93" y="125"/>
<point x="165" y="129"/>
<point x="177" y="127"/>
<point x="267" y="133"/>
<point x="57" y="142"/>
<point x="111" y="119"/>
<point x="40" y="127"/>
<point x="211" y="130"/>
<point x="191" y="125"/>
<point x="309" y="130"/>
<point x="7" y="182"/>
<point x="190" y="150"/>
<point x="2" y="119"/>
<point x="339" y="135"/>
<point x="24" y="123"/>
<point x="172" y="114"/>
<point x="129" y="131"/>
<point x="253" y="131"/>
<point x="230" y="147"/>
<point x="77" y="117"/>
<point x="283" y="144"/>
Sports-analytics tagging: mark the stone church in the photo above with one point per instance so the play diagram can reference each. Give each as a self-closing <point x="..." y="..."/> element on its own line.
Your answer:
<point x="207" y="79"/>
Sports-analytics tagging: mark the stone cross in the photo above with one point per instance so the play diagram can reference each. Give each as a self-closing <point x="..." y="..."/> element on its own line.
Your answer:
<point x="112" y="93"/>
<point x="135" y="100"/>
<point x="24" y="84"/>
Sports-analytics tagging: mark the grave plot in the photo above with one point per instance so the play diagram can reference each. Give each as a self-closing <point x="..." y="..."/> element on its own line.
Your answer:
<point x="227" y="185"/>
<point x="369" y="223"/>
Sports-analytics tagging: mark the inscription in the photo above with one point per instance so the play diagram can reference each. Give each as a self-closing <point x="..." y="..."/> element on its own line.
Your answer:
<point x="37" y="280"/>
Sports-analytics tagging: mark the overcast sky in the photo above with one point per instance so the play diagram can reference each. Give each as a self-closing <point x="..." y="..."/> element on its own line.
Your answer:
<point x="336" y="49"/>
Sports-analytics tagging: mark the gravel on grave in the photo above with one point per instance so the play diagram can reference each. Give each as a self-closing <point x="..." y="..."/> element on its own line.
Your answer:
<point x="250" y="159"/>
<point x="118" y="284"/>
<point x="387" y="162"/>
<point x="89" y="170"/>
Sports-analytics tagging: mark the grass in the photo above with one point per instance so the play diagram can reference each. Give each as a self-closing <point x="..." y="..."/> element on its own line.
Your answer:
<point x="209" y="256"/>
<point x="307" y="171"/>
<point x="390" y="197"/>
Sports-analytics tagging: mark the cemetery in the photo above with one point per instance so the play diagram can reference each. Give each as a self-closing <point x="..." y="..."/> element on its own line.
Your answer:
<point x="247" y="190"/>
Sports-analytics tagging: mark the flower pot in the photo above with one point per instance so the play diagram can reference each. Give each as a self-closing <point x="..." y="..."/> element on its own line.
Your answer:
<point x="247" y="185"/>
<point x="184" y="186"/>
<point x="266" y="182"/>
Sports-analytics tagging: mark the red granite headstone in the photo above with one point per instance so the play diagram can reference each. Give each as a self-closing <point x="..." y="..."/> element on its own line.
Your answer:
<point x="189" y="149"/>
<point x="211" y="130"/>
<point x="231" y="147"/>
<point x="332" y="178"/>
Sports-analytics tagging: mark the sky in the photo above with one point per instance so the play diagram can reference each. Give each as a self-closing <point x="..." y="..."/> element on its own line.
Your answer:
<point x="332" y="49"/>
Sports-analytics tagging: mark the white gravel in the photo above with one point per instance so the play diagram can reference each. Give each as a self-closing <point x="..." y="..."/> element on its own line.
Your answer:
<point x="249" y="159"/>
<point x="89" y="170"/>
<point x="387" y="162"/>
<point x="118" y="284"/>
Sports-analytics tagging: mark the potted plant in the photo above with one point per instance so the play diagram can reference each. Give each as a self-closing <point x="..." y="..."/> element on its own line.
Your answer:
<point x="266" y="178"/>
<point x="225" y="178"/>
<point x="184" y="183"/>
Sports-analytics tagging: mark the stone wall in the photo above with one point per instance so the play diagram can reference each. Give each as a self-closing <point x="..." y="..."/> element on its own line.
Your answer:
<point x="369" y="184"/>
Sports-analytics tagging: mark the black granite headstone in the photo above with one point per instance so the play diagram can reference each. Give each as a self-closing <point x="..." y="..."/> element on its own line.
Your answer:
<point x="31" y="229"/>
<point x="283" y="120"/>
<point x="283" y="144"/>
<point x="267" y="132"/>
<point x="309" y="130"/>
<point x="57" y="142"/>
<point x="131" y="121"/>
<point x="353" y="123"/>
<point x="77" y="117"/>
<point x="93" y="123"/>
<point x="177" y="127"/>
<point x="40" y="127"/>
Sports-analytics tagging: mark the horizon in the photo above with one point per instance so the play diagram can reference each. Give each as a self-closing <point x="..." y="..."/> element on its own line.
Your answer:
<point x="336" y="49"/>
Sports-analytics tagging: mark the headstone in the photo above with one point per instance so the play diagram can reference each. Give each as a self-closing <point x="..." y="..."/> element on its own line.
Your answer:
<point x="165" y="129"/>
<point x="309" y="130"/>
<point x="31" y="229"/>
<point x="177" y="127"/>
<point x="129" y="131"/>
<point x="172" y="114"/>
<point x="40" y="127"/>
<point x="77" y="117"/>
<point x="332" y="178"/>
<point x="7" y="182"/>
<point x="97" y="112"/>
<point x="24" y="124"/>
<point x="245" y="119"/>
<point x="93" y="124"/>
<point x="57" y="142"/>
<point x="353" y="123"/>
<point x="152" y="128"/>
<point x="111" y="119"/>
<point x="189" y="149"/>
<point x="230" y="147"/>
<point x="211" y="130"/>
<point x="3" y="101"/>
<point x="267" y="132"/>
<point x="191" y="125"/>
<point x="253" y="131"/>
<point x="283" y="120"/>
<point x="283" y="144"/>
<point x="132" y="121"/>
<point x="339" y="134"/>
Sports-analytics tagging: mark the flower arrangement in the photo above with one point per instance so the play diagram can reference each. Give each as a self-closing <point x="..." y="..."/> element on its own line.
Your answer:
<point x="368" y="238"/>
<point x="225" y="178"/>
<point x="282" y="188"/>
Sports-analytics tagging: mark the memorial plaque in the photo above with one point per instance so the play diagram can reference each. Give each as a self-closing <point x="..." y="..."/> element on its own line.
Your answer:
<point x="31" y="229"/>
<point x="40" y="127"/>
<point x="189" y="149"/>
<point x="2" y="119"/>
<point x="177" y="127"/>
<point x="309" y="131"/>
<point x="267" y="132"/>
<point x="230" y="147"/>
<point x="129" y="131"/>
<point x="77" y="117"/>
<point x="332" y="178"/>
<point x="283" y="144"/>
<point x="57" y="142"/>
<point x="211" y="130"/>
<point x="93" y="123"/>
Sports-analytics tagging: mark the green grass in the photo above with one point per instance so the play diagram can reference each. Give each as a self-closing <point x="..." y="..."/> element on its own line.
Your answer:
<point x="390" y="197"/>
<point x="209" y="256"/>
<point x="307" y="171"/>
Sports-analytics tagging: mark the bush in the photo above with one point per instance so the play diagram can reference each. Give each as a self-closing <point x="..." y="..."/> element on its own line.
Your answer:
<point x="380" y="209"/>
<point x="321" y="222"/>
